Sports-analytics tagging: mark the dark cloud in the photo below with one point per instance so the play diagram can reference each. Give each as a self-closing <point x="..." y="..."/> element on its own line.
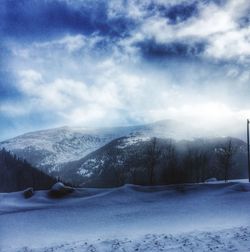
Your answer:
<point x="181" y="12"/>
<point x="44" y="19"/>
<point x="40" y="19"/>
<point x="244" y="22"/>
<point x="47" y="18"/>
<point x="177" y="13"/>
<point x="152" y="49"/>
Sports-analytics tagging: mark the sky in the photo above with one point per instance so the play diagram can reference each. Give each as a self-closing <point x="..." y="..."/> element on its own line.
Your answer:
<point x="88" y="63"/>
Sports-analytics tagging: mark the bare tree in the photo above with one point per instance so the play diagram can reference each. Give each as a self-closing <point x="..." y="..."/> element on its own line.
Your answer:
<point x="225" y="155"/>
<point x="170" y="160"/>
<point x="153" y="154"/>
<point x="201" y="159"/>
<point x="195" y="163"/>
<point x="188" y="165"/>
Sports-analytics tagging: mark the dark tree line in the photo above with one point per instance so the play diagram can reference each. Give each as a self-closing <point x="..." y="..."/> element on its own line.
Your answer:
<point x="161" y="161"/>
<point x="173" y="166"/>
<point x="17" y="174"/>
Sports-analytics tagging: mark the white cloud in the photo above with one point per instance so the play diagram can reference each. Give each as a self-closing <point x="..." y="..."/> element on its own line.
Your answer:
<point x="216" y="25"/>
<point x="118" y="94"/>
<point x="13" y="109"/>
<point x="84" y="86"/>
<point x="69" y="43"/>
<point x="234" y="44"/>
<point x="31" y="76"/>
<point x="116" y="90"/>
<point x="76" y="101"/>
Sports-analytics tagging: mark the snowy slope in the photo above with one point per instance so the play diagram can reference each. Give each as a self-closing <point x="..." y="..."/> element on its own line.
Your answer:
<point x="48" y="149"/>
<point x="130" y="218"/>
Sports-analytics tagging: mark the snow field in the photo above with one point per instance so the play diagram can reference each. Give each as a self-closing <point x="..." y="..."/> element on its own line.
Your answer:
<point x="203" y="217"/>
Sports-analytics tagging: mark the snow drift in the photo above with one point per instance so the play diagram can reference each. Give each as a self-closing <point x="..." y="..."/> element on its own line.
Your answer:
<point x="126" y="213"/>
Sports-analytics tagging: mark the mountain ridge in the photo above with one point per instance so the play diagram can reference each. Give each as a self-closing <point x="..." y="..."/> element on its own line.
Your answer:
<point x="51" y="149"/>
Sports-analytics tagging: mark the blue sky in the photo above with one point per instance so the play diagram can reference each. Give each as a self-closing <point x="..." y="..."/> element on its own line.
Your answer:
<point x="109" y="63"/>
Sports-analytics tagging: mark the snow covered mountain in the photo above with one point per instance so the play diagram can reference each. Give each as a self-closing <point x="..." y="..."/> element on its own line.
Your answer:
<point x="48" y="149"/>
<point x="52" y="149"/>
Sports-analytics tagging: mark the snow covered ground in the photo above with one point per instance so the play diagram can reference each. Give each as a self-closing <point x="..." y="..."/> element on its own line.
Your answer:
<point x="205" y="217"/>
<point x="236" y="239"/>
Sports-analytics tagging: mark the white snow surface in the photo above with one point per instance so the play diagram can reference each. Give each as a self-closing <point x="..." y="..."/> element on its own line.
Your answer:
<point x="203" y="217"/>
<point x="133" y="140"/>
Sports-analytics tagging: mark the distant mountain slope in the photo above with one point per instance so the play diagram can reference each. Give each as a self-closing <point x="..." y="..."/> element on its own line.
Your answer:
<point x="127" y="159"/>
<point x="49" y="149"/>
<point x="16" y="174"/>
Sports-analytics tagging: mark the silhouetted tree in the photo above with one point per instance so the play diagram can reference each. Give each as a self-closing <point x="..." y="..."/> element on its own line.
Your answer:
<point x="225" y="155"/>
<point x="152" y="154"/>
<point x="170" y="163"/>
<point x="195" y="163"/>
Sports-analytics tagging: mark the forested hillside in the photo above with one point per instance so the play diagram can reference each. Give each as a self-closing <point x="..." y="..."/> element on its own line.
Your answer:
<point x="17" y="174"/>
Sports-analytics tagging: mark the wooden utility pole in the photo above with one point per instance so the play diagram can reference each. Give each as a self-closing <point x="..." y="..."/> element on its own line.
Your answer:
<point x="248" y="154"/>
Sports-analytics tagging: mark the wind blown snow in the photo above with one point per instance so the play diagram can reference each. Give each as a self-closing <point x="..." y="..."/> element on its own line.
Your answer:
<point x="204" y="217"/>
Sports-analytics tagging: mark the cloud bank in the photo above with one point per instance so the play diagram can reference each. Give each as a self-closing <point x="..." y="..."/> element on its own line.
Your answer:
<point x="105" y="63"/>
